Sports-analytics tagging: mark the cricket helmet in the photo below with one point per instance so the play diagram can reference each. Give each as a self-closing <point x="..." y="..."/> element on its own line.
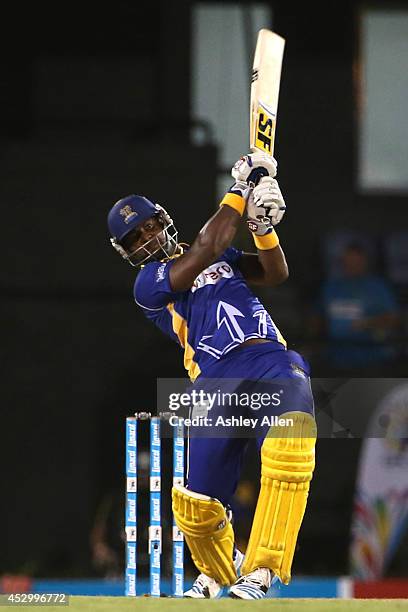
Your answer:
<point x="126" y="215"/>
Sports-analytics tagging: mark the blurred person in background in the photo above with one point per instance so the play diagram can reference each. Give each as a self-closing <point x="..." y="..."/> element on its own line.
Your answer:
<point x="107" y="538"/>
<point x="358" y="314"/>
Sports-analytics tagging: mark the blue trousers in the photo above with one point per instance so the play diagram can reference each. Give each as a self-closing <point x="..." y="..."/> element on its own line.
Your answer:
<point x="215" y="453"/>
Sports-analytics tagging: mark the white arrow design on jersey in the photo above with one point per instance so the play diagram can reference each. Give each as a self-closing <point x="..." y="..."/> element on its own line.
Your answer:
<point x="229" y="320"/>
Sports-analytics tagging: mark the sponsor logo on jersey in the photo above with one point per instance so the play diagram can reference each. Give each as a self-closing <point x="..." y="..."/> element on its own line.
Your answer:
<point x="212" y="275"/>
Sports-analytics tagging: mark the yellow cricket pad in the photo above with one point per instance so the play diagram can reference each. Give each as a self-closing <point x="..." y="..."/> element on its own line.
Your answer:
<point x="207" y="531"/>
<point x="288" y="460"/>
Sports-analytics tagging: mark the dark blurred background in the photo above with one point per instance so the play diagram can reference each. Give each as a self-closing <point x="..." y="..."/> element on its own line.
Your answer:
<point x="96" y="102"/>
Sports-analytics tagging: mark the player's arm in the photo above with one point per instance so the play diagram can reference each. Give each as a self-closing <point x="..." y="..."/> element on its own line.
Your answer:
<point x="212" y="240"/>
<point x="265" y="209"/>
<point x="219" y="231"/>
<point x="267" y="267"/>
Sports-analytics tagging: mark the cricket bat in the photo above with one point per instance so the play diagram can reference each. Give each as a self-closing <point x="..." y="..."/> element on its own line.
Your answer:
<point x="266" y="74"/>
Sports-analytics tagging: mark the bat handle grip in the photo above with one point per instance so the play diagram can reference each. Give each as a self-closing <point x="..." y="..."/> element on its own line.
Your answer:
<point x="256" y="175"/>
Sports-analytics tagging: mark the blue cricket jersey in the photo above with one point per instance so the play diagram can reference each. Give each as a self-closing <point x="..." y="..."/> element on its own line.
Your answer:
<point x="212" y="318"/>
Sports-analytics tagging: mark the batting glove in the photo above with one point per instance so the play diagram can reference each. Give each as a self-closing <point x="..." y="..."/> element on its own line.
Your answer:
<point x="266" y="206"/>
<point x="241" y="189"/>
<point x="250" y="168"/>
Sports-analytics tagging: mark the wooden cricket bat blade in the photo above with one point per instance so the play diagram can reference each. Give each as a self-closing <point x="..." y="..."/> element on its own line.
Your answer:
<point x="266" y="74"/>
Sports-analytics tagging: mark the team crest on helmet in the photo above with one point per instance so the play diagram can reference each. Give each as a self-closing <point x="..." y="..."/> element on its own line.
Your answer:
<point x="128" y="213"/>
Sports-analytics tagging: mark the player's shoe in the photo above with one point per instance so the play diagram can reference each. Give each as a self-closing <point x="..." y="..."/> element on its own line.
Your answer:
<point x="205" y="587"/>
<point x="254" y="585"/>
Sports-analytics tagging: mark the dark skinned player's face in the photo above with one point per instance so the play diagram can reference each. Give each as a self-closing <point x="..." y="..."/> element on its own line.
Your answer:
<point x="142" y="234"/>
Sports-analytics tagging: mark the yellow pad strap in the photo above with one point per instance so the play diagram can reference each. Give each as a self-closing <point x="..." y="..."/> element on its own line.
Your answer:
<point x="208" y="533"/>
<point x="288" y="460"/>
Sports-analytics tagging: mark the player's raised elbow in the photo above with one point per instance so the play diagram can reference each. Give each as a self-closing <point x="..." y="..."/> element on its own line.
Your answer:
<point x="277" y="276"/>
<point x="284" y="274"/>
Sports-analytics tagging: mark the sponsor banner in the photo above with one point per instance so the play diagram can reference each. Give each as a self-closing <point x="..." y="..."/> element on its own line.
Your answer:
<point x="380" y="515"/>
<point x="319" y="587"/>
<point x="382" y="589"/>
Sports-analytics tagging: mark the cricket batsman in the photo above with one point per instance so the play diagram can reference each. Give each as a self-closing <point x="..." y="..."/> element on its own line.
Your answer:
<point x="199" y="296"/>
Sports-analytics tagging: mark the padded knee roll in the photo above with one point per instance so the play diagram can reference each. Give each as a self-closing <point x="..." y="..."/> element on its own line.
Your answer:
<point x="288" y="459"/>
<point x="208" y="533"/>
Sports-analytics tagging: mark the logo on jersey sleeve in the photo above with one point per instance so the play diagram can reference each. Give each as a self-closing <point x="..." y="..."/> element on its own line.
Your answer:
<point x="212" y="275"/>
<point x="160" y="274"/>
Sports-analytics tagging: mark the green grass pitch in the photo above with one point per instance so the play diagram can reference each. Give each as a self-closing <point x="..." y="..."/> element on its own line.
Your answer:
<point x="146" y="604"/>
